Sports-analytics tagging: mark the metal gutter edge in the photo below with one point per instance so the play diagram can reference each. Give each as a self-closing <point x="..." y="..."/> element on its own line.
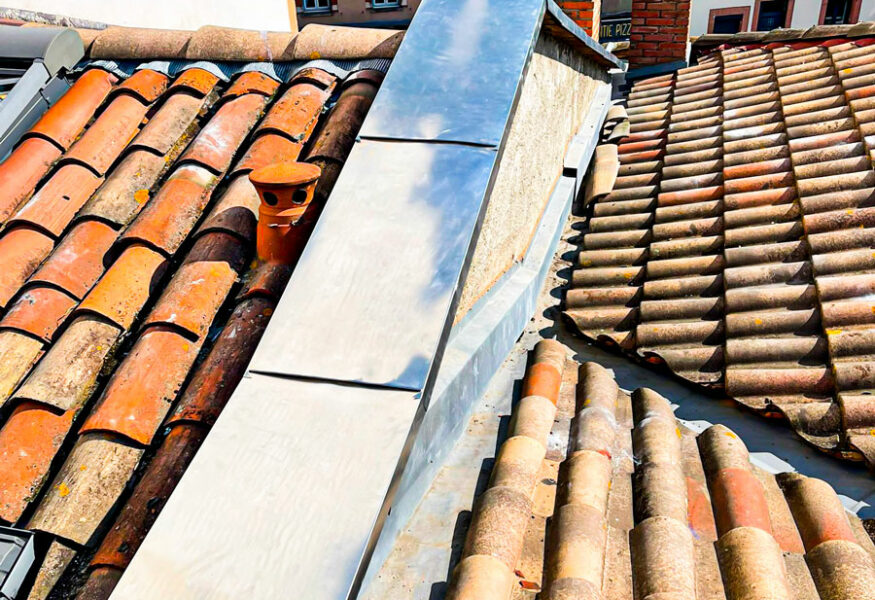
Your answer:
<point x="479" y="344"/>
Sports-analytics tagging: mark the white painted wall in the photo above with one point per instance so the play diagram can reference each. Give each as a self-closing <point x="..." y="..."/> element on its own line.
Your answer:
<point x="805" y="14"/>
<point x="268" y="15"/>
<point x="867" y="10"/>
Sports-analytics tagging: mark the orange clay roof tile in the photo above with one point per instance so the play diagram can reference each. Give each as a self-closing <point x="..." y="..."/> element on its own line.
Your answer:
<point x="645" y="508"/>
<point x="267" y="149"/>
<point x="172" y="213"/>
<point x="146" y="84"/>
<point x="235" y="212"/>
<point x="78" y="261"/>
<point x="138" y="396"/>
<point x="21" y="252"/>
<point x="53" y="207"/>
<point x="751" y="271"/>
<point x="127" y="189"/>
<point x="193" y="297"/>
<point x="105" y="139"/>
<point x="67" y="374"/>
<point x="126" y="286"/>
<point x="173" y="124"/>
<point x="65" y="120"/>
<point x="198" y="81"/>
<point x="296" y="113"/>
<point x="251" y="82"/>
<point x="39" y="311"/>
<point x="29" y="440"/>
<point x="18" y="353"/>
<point x="85" y="489"/>
<point x="22" y="170"/>
<point x="215" y="145"/>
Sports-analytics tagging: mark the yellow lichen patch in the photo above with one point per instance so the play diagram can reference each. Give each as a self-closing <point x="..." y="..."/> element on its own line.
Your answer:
<point x="63" y="490"/>
<point x="141" y="196"/>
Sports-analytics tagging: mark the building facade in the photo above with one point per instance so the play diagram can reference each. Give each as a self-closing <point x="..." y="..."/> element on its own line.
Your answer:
<point x="373" y="13"/>
<point x="733" y="16"/>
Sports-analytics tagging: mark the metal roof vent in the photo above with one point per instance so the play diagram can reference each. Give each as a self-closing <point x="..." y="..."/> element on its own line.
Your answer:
<point x="17" y="556"/>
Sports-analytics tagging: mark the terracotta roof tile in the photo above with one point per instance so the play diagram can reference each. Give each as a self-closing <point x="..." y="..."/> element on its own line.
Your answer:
<point x="21" y="252"/>
<point x="145" y="84"/>
<point x="194" y="296"/>
<point x="22" y="170"/>
<point x="196" y="80"/>
<point x="126" y="286"/>
<point x="127" y="189"/>
<point x="251" y="82"/>
<point x="170" y="216"/>
<point x="40" y="431"/>
<point x="39" y="312"/>
<point x="105" y="139"/>
<point x="53" y="207"/>
<point x="67" y="374"/>
<point x="18" y="353"/>
<point x="753" y="266"/>
<point x="236" y="212"/>
<point x="660" y="513"/>
<point x="173" y="124"/>
<point x="88" y="484"/>
<point x="65" y="120"/>
<point x="142" y="389"/>
<point x="78" y="261"/>
<point x="218" y="141"/>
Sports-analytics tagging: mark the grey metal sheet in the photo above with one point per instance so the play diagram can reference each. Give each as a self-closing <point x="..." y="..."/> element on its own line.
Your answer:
<point x="456" y="75"/>
<point x="370" y="299"/>
<point x="289" y="512"/>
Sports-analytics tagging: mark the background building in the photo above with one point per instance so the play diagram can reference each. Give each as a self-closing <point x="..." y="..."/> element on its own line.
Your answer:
<point x="375" y="13"/>
<point x="733" y="16"/>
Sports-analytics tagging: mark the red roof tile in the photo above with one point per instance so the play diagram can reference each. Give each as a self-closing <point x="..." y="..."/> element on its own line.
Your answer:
<point x="218" y="141"/>
<point x="78" y="261"/>
<point x="39" y="312"/>
<point x="646" y="509"/>
<point x="142" y="389"/>
<point x="751" y="267"/>
<point x="66" y="119"/>
<point x="126" y="287"/>
<point x="21" y="252"/>
<point x="22" y="170"/>
<point x="53" y="207"/>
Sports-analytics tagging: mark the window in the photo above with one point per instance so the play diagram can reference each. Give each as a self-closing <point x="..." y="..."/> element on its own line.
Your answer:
<point x="385" y="3"/>
<point x="728" y="20"/>
<point x="839" y="12"/>
<point x="772" y="14"/>
<point x="727" y="24"/>
<point x="317" y="5"/>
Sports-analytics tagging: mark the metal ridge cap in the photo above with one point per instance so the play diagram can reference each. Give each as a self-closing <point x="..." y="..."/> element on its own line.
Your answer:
<point x="578" y="32"/>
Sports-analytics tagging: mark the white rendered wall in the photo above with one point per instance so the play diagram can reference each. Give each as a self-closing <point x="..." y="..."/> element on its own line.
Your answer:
<point x="268" y="15"/>
<point x="805" y="14"/>
<point x="867" y="10"/>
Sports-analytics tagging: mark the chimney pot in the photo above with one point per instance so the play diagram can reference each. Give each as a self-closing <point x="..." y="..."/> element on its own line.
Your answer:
<point x="285" y="190"/>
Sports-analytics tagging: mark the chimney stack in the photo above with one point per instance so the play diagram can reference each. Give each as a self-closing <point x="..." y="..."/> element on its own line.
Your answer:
<point x="659" y="33"/>
<point x="585" y="14"/>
